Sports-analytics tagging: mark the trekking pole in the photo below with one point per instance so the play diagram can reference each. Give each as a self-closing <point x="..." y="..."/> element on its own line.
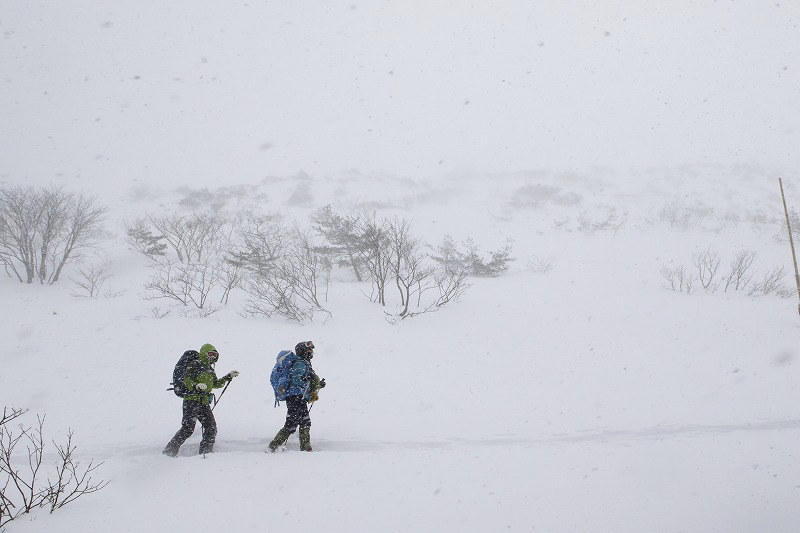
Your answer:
<point x="310" y="407"/>
<point x="216" y="400"/>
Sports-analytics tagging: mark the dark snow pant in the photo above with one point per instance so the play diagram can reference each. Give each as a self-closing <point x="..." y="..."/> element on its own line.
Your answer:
<point x="296" y="414"/>
<point x="192" y="412"/>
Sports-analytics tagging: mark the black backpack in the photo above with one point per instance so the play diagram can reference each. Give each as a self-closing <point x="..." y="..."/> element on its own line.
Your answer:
<point x="179" y="372"/>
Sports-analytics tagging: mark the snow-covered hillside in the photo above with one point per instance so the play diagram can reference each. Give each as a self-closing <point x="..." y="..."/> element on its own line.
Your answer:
<point x="584" y="398"/>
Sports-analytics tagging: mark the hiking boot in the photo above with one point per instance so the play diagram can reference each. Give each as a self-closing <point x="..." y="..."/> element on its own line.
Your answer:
<point x="305" y="439"/>
<point x="279" y="439"/>
<point x="171" y="452"/>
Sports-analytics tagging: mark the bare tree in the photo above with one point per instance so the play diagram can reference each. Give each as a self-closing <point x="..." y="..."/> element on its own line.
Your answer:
<point x="230" y="277"/>
<point x="22" y="490"/>
<point x="292" y="284"/>
<point x="707" y="264"/>
<point x="739" y="276"/>
<point x="262" y="240"/>
<point x="772" y="282"/>
<point x="450" y="286"/>
<point x="307" y="269"/>
<point x="678" y="279"/>
<point x="70" y="481"/>
<point x="375" y="244"/>
<point x="193" y="238"/>
<point x="184" y="283"/>
<point x="193" y="256"/>
<point x="90" y="280"/>
<point x="41" y="230"/>
<point x="81" y="233"/>
<point x="411" y="273"/>
<point x="19" y="229"/>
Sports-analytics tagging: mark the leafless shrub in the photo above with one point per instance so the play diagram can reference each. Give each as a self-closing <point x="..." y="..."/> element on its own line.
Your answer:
<point x="740" y="275"/>
<point x="187" y="284"/>
<point x="231" y="275"/>
<point x="411" y="273"/>
<point x="373" y="234"/>
<point x="274" y="296"/>
<point x="290" y="281"/>
<point x="206" y="311"/>
<point x="195" y="237"/>
<point x="41" y="230"/>
<point x="785" y="291"/>
<point x="261" y="241"/>
<point x="90" y="280"/>
<point x="449" y="286"/>
<point x="307" y="270"/>
<point x="682" y="217"/>
<point x="112" y="293"/>
<point x="193" y="256"/>
<point x="772" y="282"/>
<point x="23" y="489"/>
<point x="706" y="264"/>
<point x="157" y="313"/>
<point x="678" y="279"/>
<point x="191" y="238"/>
<point x="607" y="220"/>
<point x="385" y="250"/>
<point x="542" y="265"/>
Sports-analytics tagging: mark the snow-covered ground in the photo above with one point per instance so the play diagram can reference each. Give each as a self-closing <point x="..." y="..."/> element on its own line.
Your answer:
<point x="585" y="398"/>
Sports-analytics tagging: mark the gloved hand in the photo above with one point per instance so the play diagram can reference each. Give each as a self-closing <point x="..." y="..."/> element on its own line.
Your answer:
<point x="232" y="374"/>
<point x="313" y="396"/>
<point x="322" y="383"/>
<point x="201" y="387"/>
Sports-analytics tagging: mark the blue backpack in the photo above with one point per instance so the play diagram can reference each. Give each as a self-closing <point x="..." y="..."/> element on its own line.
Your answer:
<point x="280" y="375"/>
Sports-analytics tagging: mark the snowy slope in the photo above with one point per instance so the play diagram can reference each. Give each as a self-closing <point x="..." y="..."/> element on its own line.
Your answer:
<point x="586" y="398"/>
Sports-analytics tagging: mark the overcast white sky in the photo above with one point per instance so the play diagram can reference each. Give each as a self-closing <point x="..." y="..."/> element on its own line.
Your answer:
<point x="211" y="91"/>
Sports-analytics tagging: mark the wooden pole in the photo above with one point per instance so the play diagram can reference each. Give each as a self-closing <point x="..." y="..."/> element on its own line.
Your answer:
<point x="791" y="244"/>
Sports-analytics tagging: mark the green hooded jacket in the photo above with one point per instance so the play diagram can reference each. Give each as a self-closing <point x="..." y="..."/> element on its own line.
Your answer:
<point x="201" y="371"/>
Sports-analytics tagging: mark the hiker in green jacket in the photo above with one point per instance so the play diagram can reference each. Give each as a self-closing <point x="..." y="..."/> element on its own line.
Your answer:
<point x="199" y="379"/>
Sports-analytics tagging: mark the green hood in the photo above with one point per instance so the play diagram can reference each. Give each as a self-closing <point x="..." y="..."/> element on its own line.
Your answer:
<point x="204" y="349"/>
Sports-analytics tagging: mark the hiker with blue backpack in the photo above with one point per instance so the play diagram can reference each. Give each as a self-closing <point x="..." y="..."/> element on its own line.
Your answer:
<point x="193" y="380"/>
<point x="295" y="382"/>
